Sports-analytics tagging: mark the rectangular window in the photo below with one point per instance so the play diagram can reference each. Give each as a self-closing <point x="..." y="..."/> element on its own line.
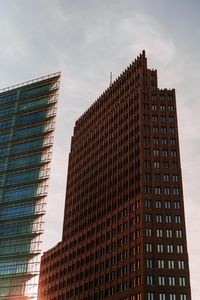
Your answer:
<point x="182" y="281"/>
<point x="170" y="248"/>
<point x="172" y="281"/>
<point x="170" y="264"/>
<point x="181" y="265"/>
<point x="177" y="219"/>
<point x="161" y="264"/>
<point x="179" y="233"/>
<point x="167" y="204"/>
<point x="179" y="248"/>
<point x="148" y="232"/>
<point x="156" y="164"/>
<point x="161" y="280"/>
<point x="160" y="248"/>
<point x="159" y="218"/>
<point x="168" y="218"/>
<point x="159" y="233"/>
<point x="158" y="204"/>
<point x="157" y="190"/>
<point x="150" y="280"/>
<point x="169" y="233"/>
<point x="172" y="296"/>
<point x="162" y="297"/>
<point x="149" y="264"/>
<point x="150" y="296"/>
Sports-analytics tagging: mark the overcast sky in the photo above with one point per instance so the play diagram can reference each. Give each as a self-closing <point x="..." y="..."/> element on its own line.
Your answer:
<point x="85" y="40"/>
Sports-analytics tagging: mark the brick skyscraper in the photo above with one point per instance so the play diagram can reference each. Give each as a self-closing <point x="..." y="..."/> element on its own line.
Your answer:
<point x="124" y="229"/>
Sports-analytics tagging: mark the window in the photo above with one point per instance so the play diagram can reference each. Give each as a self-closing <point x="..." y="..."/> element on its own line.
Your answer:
<point x="161" y="280"/>
<point x="162" y="296"/>
<point x="183" y="297"/>
<point x="173" y="153"/>
<point x="172" y="281"/>
<point x="172" y="296"/>
<point x="179" y="248"/>
<point x="161" y="264"/>
<point x="170" y="264"/>
<point x="177" y="219"/>
<point x="155" y="129"/>
<point x="164" y="141"/>
<point x="155" y="140"/>
<point x="182" y="281"/>
<point x="148" y="232"/>
<point x="150" y="296"/>
<point x="163" y="119"/>
<point x="179" y="233"/>
<point x="162" y="107"/>
<point x="170" y="107"/>
<point x="159" y="233"/>
<point x="167" y="204"/>
<point x="158" y="204"/>
<point x="166" y="177"/>
<point x="176" y="191"/>
<point x="156" y="152"/>
<point x="167" y="191"/>
<point x="157" y="190"/>
<point x="170" y="248"/>
<point x="172" y="130"/>
<point x="156" y="164"/>
<point x="147" y="203"/>
<point x="149" y="280"/>
<point x="159" y="218"/>
<point x="164" y="153"/>
<point x="163" y="130"/>
<point x="175" y="178"/>
<point x="168" y="218"/>
<point x="149" y="247"/>
<point x="171" y="119"/>
<point x="148" y="217"/>
<point x="181" y="265"/>
<point x="155" y="118"/>
<point x="160" y="248"/>
<point x="169" y="233"/>
<point x="149" y="264"/>
<point x="172" y="141"/>
<point x="154" y="107"/>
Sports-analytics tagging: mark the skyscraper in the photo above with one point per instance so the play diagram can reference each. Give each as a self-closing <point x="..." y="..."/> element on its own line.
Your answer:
<point x="27" y="119"/>
<point x="124" y="229"/>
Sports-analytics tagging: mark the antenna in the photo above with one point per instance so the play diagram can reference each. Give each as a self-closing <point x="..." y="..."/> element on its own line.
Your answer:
<point x="111" y="75"/>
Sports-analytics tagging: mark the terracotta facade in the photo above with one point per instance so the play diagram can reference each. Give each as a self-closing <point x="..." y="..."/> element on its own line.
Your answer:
<point x="124" y="229"/>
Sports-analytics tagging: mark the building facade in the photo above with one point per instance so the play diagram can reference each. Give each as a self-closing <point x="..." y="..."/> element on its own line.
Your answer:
<point x="124" y="232"/>
<point x="27" y="119"/>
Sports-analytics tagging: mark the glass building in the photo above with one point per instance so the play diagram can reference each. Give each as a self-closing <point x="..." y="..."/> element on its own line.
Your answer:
<point x="27" y="121"/>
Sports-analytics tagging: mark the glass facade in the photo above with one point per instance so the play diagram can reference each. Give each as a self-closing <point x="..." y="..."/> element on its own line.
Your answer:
<point x="27" y="119"/>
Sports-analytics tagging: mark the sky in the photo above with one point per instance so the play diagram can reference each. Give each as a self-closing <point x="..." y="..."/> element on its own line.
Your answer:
<point x="88" y="39"/>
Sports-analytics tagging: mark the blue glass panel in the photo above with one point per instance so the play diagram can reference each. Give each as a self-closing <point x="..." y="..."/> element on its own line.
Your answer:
<point x="5" y="124"/>
<point x="6" y="111"/>
<point x="35" y="91"/>
<point x="17" y="211"/>
<point x="13" y="267"/>
<point x="22" y="177"/>
<point x="33" y="104"/>
<point x="4" y="137"/>
<point x="38" y="116"/>
<point x="16" y="229"/>
<point x="23" y="193"/>
<point x="26" y="146"/>
<point x="8" y="99"/>
<point x="3" y="151"/>
<point x="28" y="132"/>
<point x="25" y="161"/>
